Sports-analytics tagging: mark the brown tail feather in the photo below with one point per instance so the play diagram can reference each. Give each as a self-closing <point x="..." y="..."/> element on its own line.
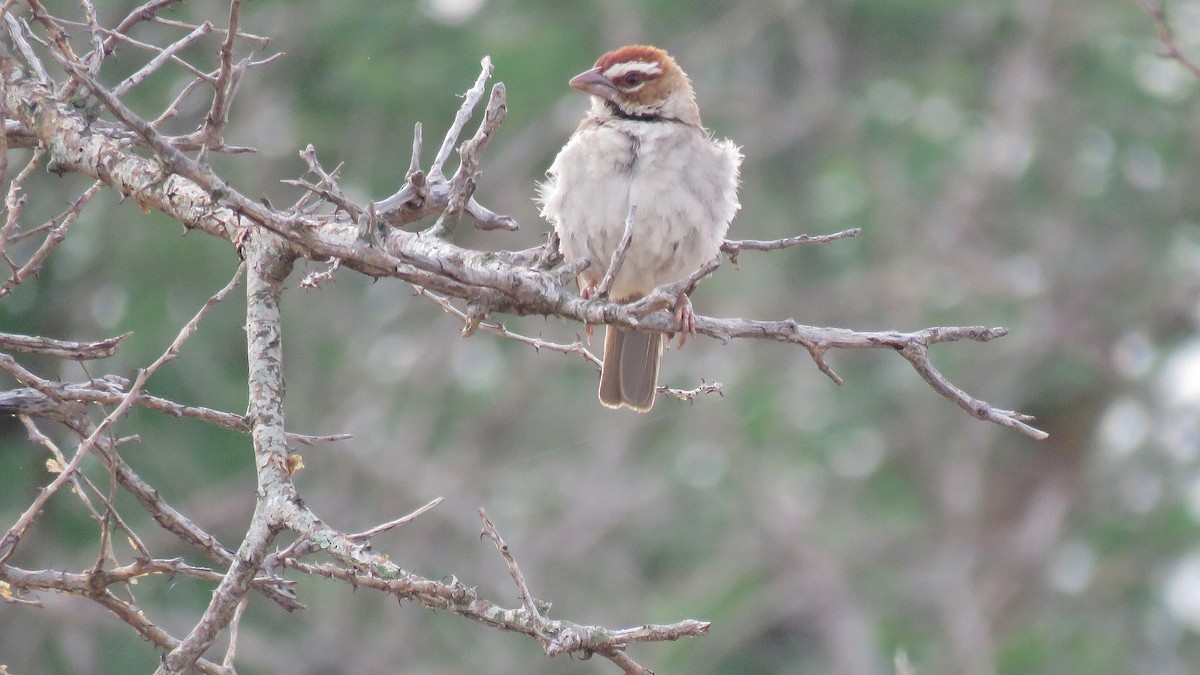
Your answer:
<point x="629" y="377"/>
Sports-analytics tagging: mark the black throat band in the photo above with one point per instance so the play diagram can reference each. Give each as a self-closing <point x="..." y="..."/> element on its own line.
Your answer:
<point x="639" y="117"/>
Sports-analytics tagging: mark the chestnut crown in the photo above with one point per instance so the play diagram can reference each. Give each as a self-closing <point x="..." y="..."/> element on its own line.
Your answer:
<point x="640" y="82"/>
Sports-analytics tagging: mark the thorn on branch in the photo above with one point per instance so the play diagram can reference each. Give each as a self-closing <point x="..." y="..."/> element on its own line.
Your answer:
<point x="313" y="280"/>
<point x="690" y="395"/>
<point x="818" y="357"/>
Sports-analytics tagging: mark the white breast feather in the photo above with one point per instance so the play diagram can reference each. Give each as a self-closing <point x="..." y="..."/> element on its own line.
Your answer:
<point x="683" y="183"/>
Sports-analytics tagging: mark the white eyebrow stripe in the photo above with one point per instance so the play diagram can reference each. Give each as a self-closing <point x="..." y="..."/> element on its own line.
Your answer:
<point x="645" y="67"/>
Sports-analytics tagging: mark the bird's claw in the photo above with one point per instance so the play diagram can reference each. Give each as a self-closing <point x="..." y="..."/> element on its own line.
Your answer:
<point x="686" y="318"/>
<point x="587" y="289"/>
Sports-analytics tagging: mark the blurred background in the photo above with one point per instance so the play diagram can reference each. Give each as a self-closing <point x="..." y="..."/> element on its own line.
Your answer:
<point x="1022" y="163"/>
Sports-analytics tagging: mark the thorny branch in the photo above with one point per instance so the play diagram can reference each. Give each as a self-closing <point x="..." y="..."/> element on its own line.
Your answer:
<point x="62" y="121"/>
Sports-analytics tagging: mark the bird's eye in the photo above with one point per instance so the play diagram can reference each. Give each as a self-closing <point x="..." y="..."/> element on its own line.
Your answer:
<point x="632" y="79"/>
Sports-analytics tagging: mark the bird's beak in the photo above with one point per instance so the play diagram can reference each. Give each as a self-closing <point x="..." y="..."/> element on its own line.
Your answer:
<point x="594" y="83"/>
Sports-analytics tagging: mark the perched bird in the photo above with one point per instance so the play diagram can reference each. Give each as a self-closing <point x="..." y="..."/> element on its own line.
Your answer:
<point x="640" y="145"/>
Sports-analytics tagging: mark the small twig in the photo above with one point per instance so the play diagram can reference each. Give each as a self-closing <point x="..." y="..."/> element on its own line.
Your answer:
<point x="331" y="196"/>
<point x="626" y="663"/>
<point x="328" y="189"/>
<point x="59" y="461"/>
<point x="668" y="294"/>
<point x="367" y="535"/>
<point x="63" y="349"/>
<point x="209" y="78"/>
<point x="313" y="280"/>
<point x="227" y="81"/>
<point x="58" y="232"/>
<point x="96" y="57"/>
<point x="144" y="12"/>
<point x="538" y="344"/>
<point x="414" y="162"/>
<point x="462" y="185"/>
<point x="486" y="219"/>
<point x="14" y="203"/>
<point x="535" y="617"/>
<point x="618" y="257"/>
<point x="732" y="247"/>
<point x="163" y="56"/>
<point x="17" y="30"/>
<point x="918" y="355"/>
<point x="260" y="40"/>
<point x="470" y="100"/>
<point x="704" y="389"/>
<point x="234" y="623"/>
<point x="1167" y="37"/>
<point x="173" y="110"/>
<point x="45" y="397"/>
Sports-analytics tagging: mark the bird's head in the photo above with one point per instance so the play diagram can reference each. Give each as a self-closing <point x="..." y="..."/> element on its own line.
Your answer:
<point x="640" y="82"/>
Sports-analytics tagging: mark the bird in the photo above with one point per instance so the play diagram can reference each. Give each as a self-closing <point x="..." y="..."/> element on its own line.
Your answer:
<point x="640" y="153"/>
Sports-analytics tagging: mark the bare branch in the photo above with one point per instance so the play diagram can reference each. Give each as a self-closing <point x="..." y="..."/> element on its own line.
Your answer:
<point x="440" y="266"/>
<point x="208" y="78"/>
<point x="145" y="12"/>
<point x="46" y="398"/>
<point x="227" y="81"/>
<point x="8" y="543"/>
<point x="732" y="247"/>
<point x="557" y="636"/>
<point x="367" y="535"/>
<point x="260" y="40"/>
<point x="94" y="585"/>
<point x="917" y="353"/>
<point x="618" y="256"/>
<point x="57" y="233"/>
<point x="13" y="204"/>
<point x="264" y="287"/>
<point x="689" y="395"/>
<point x="462" y="185"/>
<point x="1167" y="37"/>
<point x="63" y="349"/>
<point x="155" y="63"/>
<point x="470" y="100"/>
<point x="538" y="344"/>
<point x="96" y="57"/>
<point x="536" y="621"/>
<point x="17" y="30"/>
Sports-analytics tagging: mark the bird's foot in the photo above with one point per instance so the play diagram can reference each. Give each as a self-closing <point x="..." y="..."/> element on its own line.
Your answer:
<point x="686" y="318"/>
<point x="587" y="290"/>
